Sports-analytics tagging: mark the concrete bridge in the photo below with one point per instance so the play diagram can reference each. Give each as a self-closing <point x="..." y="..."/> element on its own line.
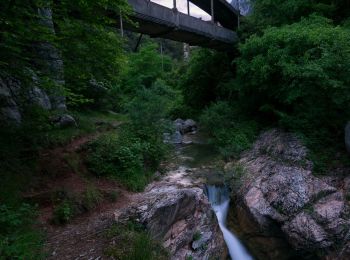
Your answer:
<point x="159" y="21"/>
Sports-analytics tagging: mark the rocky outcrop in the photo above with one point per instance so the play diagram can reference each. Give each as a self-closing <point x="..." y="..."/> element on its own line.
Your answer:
<point x="281" y="200"/>
<point x="64" y="121"/>
<point x="177" y="212"/>
<point x="185" y="126"/>
<point x="50" y="61"/>
<point x="9" y="91"/>
<point x="244" y="6"/>
<point x="16" y="94"/>
<point x="181" y="128"/>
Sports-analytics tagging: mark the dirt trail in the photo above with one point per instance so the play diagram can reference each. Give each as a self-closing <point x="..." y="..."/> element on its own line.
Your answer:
<point x="62" y="168"/>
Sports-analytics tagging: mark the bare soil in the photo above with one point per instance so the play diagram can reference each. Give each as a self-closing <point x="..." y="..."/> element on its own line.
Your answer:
<point x="63" y="168"/>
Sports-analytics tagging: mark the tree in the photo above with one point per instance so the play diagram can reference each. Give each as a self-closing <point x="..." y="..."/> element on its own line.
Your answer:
<point x="299" y="73"/>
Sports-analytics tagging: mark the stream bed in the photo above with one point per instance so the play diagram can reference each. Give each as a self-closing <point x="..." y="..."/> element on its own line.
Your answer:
<point x="200" y="158"/>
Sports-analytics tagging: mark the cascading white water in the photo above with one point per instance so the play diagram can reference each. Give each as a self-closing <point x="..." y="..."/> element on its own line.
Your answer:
<point x="219" y="199"/>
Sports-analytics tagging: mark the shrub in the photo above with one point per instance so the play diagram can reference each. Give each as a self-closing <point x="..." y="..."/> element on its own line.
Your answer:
<point x="63" y="212"/>
<point x="299" y="73"/>
<point x="18" y="238"/>
<point x="230" y="132"/>
<point x="92" y="197"/>
<point x="126" y="157"/>
<point x="196" y="236"/>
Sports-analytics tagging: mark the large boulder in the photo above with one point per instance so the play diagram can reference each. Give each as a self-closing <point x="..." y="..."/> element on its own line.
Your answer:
<point x="173" y="211"/>
<point x="185" y="126"/>
<point x="279" y="198"/>
<point x="9" y="108"/>
<point x="63" y="121"/>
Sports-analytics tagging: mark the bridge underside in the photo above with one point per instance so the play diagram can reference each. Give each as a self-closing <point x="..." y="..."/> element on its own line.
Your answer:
<point x="159" y="21"/>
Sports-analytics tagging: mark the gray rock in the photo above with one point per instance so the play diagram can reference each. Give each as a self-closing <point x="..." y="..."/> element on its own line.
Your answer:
<point x="51" y="61"/>
<point x="175" y="138"/>
<point x="38" y="97"/>
<point x="189" y="126"/>
<point x="186" y="126"/>
<point x="244" y="6"/>
<point x="304" y="233"/>
<point x="282" y="198"/>
<point x="10" y="110"/>
<point x="347" y="137"/>
<point x="173" y="213"/>
<point x="64" y="120"/>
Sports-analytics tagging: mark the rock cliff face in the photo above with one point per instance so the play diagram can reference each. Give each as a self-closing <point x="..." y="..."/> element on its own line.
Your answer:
<point x="15" y="95"/>
<point x="177" y="212"/>
<point x="280" y="203"/>
<point x="244" y="6"/>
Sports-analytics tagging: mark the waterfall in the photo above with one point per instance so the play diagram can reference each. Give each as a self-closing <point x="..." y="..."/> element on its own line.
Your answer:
<point x="219" y="199"/>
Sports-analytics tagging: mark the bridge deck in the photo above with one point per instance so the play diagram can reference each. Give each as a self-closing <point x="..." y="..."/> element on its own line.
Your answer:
<point x="159" y="21"/>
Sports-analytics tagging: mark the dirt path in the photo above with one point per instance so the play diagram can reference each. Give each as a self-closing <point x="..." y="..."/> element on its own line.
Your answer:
<point x="63" y="169"/>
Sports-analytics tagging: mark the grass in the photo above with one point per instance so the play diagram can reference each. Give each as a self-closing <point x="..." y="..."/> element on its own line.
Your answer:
<point x="68" y="205"/>
<point x="88" y="122"/>
<point x="197" y="235"/>
<point x="73" y="160"/>
<point x="237" y="172"/>
<point x="132" y="242"/>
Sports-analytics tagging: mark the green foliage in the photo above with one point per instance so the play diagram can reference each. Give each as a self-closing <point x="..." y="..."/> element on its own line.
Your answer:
<point x="18" y="238"/>
<point x="299" y="75"/>
<point x="19" y="28"/>
<point x="281" y="12"/>
<point x="196" y="236"/>
<point x="133" y="243"/>
<point x="202" y="80"/>
<point x="230" y="132"/>
<point x="237" y="174"/>
<point x="63" y="212"/>
<point x="125" y="157"/>
<point x="99" y="48"/>
<point x="92" y="197"/>
<point x="144" y="68"/>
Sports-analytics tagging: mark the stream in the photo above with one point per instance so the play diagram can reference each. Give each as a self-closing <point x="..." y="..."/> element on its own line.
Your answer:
<point x="220" y="202"/>
<point x="201" y="155"/>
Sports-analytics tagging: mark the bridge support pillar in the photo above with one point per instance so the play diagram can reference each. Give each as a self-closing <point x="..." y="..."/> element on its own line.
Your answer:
<point x="212" y="10"/>
<point x="188" y="7"/>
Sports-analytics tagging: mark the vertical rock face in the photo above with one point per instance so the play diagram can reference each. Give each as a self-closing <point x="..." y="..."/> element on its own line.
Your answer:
<point x="50" y="61"/>
<point x="15" y="95"/>
<point x="280" y="199"/>
<point x="10" y="110"/>
<point x="244" y="6"/>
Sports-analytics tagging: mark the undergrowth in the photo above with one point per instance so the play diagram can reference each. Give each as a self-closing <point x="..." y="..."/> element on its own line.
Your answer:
<point x="132" y="242"/>
<point x="126" y="157"/>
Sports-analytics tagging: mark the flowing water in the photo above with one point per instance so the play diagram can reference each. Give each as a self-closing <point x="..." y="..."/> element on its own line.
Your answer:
<point x="219" y="199"/>
<point x="201" y="154"/>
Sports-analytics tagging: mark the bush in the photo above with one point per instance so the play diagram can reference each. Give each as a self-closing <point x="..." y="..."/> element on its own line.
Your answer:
<point x="203" y="80"/>
<point x="63" y="212"/>
<point x="18" y="239"/>
<point x="92" y="197"/>
<point x="298" y="75"/>
<point x="230" y="132"/>
<point x="125" y="157"/>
